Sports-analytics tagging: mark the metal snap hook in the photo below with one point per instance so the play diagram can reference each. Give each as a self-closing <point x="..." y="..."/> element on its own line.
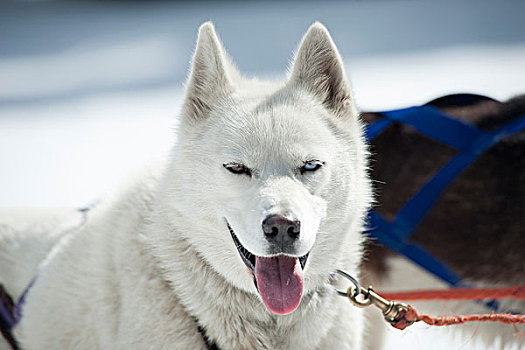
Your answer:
<point x="355" y="283"/>
<point x="353" y="291"/>
<point x="392" y="311"/>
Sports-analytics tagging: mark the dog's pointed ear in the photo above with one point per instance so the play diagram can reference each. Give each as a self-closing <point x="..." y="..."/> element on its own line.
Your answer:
<point x="319" y="69"/>
<point x="212" y="74"/>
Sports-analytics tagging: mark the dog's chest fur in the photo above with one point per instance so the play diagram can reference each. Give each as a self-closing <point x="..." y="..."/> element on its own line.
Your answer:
<point x="234" y="319"/>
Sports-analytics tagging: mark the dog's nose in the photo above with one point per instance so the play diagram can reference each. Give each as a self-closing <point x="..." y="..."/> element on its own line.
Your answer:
<point x="281" y="230"/>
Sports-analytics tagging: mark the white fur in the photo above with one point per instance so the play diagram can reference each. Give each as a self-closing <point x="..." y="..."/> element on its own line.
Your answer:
<point x="159" y="256"/>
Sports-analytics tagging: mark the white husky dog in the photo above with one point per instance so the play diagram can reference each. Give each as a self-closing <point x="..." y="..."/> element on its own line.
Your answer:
<point x="231" y="245"/>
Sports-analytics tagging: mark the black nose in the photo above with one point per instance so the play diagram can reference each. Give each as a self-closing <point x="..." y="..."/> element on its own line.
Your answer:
<point x="280" y="230"/>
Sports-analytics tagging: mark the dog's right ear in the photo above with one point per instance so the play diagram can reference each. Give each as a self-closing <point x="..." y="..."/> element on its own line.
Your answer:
<point x="212" y="74"/>
<point x="319" y="69"/>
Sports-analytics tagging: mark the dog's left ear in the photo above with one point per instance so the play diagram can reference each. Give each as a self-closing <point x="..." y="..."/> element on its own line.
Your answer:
<point x="319" y="69"/>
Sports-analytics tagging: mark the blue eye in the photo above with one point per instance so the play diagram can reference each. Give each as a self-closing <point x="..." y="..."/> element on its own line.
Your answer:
<point x="311" y="165"/>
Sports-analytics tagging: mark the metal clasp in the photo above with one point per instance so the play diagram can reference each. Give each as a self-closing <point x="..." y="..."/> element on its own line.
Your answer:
<point x="392" y="311"/>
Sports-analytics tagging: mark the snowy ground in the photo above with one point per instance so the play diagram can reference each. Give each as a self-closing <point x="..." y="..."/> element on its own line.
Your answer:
<point x="90" y="91"/>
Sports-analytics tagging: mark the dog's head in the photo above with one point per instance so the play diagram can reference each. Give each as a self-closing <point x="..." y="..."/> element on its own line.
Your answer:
<point x="269" y="179"/>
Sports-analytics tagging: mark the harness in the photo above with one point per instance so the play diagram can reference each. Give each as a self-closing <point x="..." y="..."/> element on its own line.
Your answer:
<point x="468" y="140"/>
<point x="11" y="312"/>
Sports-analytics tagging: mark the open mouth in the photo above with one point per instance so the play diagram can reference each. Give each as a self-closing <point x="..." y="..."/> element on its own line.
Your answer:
<point x="278" y="279"/>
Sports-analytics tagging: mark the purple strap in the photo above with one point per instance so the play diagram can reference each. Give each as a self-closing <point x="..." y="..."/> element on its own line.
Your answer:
<point x="10" y="313"/>
<point x="6" y="309"/>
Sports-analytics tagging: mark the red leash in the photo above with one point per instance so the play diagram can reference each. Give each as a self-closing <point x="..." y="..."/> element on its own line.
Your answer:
<point x="409" y="316"/>
<point x="401" y="315"/>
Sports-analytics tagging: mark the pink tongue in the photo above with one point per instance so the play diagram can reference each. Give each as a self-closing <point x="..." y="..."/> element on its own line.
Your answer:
<point x="280" y="283"/>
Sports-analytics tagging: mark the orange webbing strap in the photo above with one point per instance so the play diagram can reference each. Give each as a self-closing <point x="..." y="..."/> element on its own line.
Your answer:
<point x="516" y="292"/>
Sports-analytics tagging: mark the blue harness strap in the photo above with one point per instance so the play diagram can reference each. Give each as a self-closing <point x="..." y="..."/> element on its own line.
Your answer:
<point x="469" y="141"/>
<point x="385" y="232"/>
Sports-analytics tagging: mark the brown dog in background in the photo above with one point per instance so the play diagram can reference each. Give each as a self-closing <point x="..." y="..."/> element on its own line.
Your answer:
<point x="477" y="226"/>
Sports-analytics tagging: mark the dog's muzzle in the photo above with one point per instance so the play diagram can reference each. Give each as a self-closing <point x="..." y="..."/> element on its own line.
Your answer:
<point x="278" y="278"/>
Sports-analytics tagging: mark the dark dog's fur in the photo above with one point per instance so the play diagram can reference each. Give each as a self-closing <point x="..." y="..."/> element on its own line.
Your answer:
<point x="477" y="227"/>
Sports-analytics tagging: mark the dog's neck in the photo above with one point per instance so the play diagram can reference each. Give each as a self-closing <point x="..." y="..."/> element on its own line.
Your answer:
<point x="217" y="305"/>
